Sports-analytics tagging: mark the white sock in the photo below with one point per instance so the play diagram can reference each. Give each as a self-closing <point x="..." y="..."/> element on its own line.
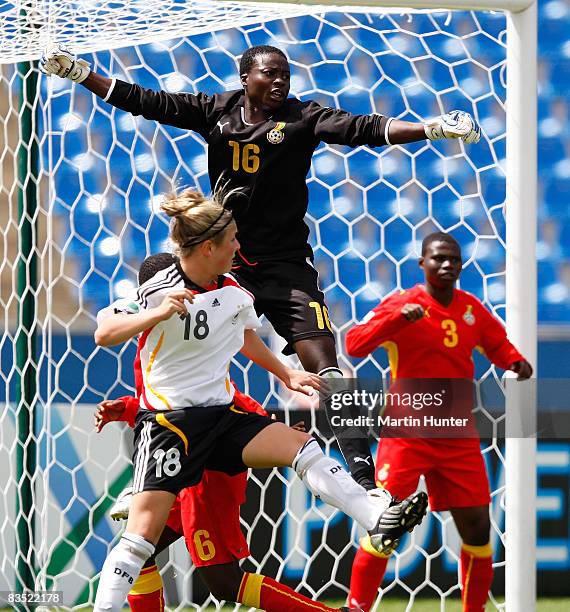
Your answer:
<point x="120" y="571"/>
<point x="328" y="481"/>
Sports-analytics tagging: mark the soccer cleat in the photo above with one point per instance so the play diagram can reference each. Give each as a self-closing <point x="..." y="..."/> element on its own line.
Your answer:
<point x="120" y="509"/>
<point x="351" y="609"/>
<point x="399" y="517"/>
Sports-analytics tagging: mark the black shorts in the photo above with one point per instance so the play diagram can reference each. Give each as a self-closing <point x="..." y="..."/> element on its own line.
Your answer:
<point x="172" y="449"/>
<point x="288" y="294"/>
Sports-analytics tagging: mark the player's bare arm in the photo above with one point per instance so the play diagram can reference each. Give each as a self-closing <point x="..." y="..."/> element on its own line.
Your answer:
<point x="296" y="380"/>
<point x="455" y="124"/>
<point x="98" y="84"/>
<point x="119" y="328"/>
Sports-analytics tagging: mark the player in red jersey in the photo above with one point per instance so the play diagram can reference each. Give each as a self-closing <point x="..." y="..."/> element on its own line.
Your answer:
<point x="430" y="332"/>
<point x="207" y="515"/>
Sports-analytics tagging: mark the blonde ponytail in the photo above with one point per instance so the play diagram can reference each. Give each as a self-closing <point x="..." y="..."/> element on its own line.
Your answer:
<point x="195" y="218"/>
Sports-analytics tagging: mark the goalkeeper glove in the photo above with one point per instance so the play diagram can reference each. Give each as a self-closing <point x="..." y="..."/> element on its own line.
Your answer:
<point x="59" y="60"/>
<point x="456" y="124"/>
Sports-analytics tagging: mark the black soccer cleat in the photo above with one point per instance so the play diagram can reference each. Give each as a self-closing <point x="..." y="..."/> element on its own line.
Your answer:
<point x="399" y="517"/>
<point x="350" y="609"/>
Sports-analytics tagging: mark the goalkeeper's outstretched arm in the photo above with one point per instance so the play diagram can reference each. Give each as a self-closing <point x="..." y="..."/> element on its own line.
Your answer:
<point x="60" y="61"/>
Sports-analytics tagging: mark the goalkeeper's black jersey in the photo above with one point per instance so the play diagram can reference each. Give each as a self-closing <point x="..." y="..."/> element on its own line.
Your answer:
<point x="269" y="160"/>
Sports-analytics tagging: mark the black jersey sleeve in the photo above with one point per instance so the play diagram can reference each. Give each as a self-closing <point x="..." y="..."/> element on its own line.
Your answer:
<point x="182" y="110"/>
<point x="340" y="127"/>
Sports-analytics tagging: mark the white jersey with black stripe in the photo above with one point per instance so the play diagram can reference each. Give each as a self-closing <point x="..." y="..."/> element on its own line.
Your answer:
<point x="185" y="360"/>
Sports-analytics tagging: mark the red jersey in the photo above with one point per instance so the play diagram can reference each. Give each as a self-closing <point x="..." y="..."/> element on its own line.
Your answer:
<point x="431" y="362"/>
<point x="440" y="344"/>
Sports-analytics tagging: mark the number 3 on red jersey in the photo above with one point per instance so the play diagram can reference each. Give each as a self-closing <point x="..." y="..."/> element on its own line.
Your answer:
<point x="451" y="338"/>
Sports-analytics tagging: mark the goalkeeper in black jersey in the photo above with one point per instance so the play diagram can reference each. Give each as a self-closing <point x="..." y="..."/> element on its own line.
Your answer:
<point x="262" y="141"/>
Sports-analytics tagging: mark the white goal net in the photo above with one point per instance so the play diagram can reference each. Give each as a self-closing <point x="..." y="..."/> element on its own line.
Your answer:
<point x="79" y="183"/>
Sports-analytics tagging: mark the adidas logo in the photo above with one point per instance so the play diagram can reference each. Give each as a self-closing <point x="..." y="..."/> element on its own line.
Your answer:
<point x="216" y="302"/>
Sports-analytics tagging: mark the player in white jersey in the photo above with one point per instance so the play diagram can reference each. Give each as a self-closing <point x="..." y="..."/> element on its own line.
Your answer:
<point x="193" y="320"/>
<point x="198" y="340"/>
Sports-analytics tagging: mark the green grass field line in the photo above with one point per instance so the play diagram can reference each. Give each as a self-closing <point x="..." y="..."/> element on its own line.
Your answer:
<point x="423" y="605"/>
<point x="395" y="605"/>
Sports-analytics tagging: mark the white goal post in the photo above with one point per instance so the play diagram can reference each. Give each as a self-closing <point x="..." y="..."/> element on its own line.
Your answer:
<point x="30" y="25"/>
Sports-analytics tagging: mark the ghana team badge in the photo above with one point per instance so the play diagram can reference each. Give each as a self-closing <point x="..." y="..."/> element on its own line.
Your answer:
<point x="469" y="317"/>
<point x="276" y="135"/>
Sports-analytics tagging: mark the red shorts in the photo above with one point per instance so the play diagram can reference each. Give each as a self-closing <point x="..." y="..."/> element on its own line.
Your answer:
<point x="207" y="514"/>
<point x="454" y="470"/>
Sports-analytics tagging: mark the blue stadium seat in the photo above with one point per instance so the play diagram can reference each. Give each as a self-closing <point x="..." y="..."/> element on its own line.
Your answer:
<point x="397" y="239"/>
<point x="446" y="48"/>
<point x="546" y="272"/>
<point x="351" y="272"/>
<point x="334" y="234"/>
<point x="397" y="68"/>
<point x="550" y="150"/>
<point x="557" y="196"/>
<point x="445" y="207"/>
<point x="554" y="313"/>
<point x="370" y="40"/>
<point x="410" y="272"/>
<point x="561" y="71"/>
<point x="472" y="281"/>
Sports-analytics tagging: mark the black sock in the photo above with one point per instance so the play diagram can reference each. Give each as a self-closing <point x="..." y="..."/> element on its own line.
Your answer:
<point x="354" y="448"/>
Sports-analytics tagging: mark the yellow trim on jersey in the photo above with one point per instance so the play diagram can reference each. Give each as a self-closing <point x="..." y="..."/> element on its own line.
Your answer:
<point x="366" y="546"/>
<point x="148" y="368"/>
<point x="234" y="409"/>
<point x="392" y="350"/>
<point x="162" y="420"/>
<point x="478" y="551"/>
<point x="149" y="582"/>
<point x="481" y="350"/>
<point x="251" y="590"/>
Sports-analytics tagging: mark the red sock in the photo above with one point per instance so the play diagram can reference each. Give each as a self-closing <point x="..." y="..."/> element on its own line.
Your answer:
<point x="146" y="594"/>
<point x="368" y="571"/>
<point x="476" y="576"/>
<point x="257" y="591"/>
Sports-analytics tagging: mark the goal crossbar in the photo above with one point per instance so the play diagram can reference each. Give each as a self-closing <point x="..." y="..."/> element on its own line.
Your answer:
<point x="513" y="6"/>
<point x="30" y="25"/>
